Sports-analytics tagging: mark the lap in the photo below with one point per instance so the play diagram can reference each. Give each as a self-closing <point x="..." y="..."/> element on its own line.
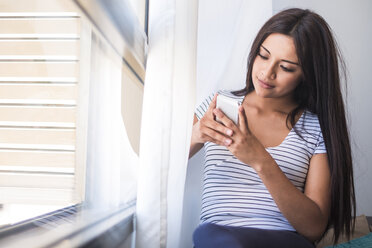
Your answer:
<point x="209" y="235"/>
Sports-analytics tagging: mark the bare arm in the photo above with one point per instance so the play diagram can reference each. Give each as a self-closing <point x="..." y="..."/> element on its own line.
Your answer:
<point x="194" y="146"/>
<point x="307" y="212"/>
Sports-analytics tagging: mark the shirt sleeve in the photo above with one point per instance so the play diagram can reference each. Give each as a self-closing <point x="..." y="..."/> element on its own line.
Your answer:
<point x="320" y="145"/>
<point x="203" y="107"/>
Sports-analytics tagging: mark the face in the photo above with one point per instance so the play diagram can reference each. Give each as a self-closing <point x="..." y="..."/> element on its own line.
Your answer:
<point x="276" y="71"/>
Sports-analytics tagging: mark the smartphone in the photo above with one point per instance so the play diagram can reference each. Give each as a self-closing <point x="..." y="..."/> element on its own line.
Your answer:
<point x="229" y="106"/>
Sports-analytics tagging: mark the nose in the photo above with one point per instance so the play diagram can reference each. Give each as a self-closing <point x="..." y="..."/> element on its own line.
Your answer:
<point x="269" y="71"/>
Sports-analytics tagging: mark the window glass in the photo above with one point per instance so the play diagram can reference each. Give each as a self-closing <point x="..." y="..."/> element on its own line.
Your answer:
<point x="39" y="85"/>
<point x="59" y="78"/>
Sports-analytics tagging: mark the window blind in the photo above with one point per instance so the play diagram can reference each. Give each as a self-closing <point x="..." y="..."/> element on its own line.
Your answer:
<point x="39" y="96"/>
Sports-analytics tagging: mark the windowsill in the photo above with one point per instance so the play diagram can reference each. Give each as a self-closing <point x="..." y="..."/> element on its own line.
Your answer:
<point x="75" y="225"/>
<point x="11" y="214"/>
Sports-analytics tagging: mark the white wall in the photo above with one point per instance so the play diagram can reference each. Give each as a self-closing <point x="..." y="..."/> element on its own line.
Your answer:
<point x="351" y="22"/>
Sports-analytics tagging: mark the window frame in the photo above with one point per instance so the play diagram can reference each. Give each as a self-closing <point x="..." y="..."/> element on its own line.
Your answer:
<point x="123" y="216"/>
<point x="76" y="225"/>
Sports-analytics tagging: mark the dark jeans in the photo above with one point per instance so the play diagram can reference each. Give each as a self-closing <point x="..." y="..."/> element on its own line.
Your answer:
<point x="209" y="235"/>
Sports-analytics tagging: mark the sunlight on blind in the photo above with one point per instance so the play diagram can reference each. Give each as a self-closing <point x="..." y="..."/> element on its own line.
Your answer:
<point x="39" y="74"/>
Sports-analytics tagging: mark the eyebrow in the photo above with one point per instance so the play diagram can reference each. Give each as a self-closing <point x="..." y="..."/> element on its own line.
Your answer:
<point x="282" y="59"/>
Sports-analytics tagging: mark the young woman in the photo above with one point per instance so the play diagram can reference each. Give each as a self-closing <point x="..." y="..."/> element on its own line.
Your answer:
<point x="283" y="175"/>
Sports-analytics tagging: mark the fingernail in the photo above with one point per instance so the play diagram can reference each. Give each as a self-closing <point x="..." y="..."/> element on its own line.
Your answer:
<point x="227" y="142"/>
<point x="229" y="132"/>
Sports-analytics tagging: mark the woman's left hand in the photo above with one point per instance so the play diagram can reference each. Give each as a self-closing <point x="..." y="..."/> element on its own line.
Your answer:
<point x="244" y="146"/>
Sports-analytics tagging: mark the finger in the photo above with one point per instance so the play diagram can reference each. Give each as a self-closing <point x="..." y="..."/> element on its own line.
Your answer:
<point x="218" y="127"/>
<point x="243" y="122"/>
<point x="224" y="119"/>
<point x="212" y="105"/>
<point x="216" y="137"/>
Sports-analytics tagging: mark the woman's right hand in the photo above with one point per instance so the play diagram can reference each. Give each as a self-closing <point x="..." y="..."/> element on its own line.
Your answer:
<point x="208" y="129"/>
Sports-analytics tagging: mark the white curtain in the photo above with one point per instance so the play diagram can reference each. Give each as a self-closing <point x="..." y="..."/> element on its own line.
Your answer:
<point x="169" y="100"/>
<point x="111" y="162"/>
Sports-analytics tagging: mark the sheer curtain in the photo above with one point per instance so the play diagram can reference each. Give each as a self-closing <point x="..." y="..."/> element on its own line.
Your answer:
<point x="111" y="162"/>
<point x="168" y="108"/>
<point x="225" y="31"/>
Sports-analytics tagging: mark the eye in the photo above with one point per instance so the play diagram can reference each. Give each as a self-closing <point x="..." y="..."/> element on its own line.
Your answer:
<point x="287" y="69"/>
<point x="263" y="57"/>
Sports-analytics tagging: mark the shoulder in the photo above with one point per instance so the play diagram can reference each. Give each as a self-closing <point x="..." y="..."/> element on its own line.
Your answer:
<point x="310" y="128"/>
<point x="309" y="122"/>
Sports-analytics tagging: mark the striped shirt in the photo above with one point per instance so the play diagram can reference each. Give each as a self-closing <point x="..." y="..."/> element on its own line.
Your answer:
<point x="233" y="193"/>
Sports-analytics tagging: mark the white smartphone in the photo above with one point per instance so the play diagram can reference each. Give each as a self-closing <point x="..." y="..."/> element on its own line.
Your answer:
<point x="229" y="106"/>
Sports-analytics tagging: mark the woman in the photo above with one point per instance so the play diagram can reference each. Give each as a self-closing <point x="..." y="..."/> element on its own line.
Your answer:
<point x="283" y="175"/>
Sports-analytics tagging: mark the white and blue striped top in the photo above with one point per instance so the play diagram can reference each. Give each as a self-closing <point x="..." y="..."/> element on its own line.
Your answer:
<point x="233" y="193"/>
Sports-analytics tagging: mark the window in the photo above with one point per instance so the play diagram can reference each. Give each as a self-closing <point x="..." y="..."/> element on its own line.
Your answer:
<point x="57" y="102"/>
<point x="39" y="95"/>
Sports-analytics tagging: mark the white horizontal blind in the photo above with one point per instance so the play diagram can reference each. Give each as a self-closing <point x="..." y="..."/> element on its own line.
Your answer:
<point x="39" y="74"/>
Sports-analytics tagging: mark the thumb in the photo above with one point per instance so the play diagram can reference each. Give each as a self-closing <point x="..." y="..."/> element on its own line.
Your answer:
<point x="243" y="122"/>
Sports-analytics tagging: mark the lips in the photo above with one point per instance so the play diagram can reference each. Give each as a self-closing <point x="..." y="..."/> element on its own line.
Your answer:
<point x="265" y="85"/>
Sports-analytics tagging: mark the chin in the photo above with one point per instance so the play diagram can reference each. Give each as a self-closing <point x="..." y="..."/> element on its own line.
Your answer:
<point x="263" y="93"/>
<point x="266" y="96"/>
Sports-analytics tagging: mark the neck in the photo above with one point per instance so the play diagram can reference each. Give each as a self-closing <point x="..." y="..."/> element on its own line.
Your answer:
<point x="282" y="105"/>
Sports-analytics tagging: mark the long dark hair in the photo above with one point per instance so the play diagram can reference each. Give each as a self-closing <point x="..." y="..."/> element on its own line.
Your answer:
<point x="320" y="93"/>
